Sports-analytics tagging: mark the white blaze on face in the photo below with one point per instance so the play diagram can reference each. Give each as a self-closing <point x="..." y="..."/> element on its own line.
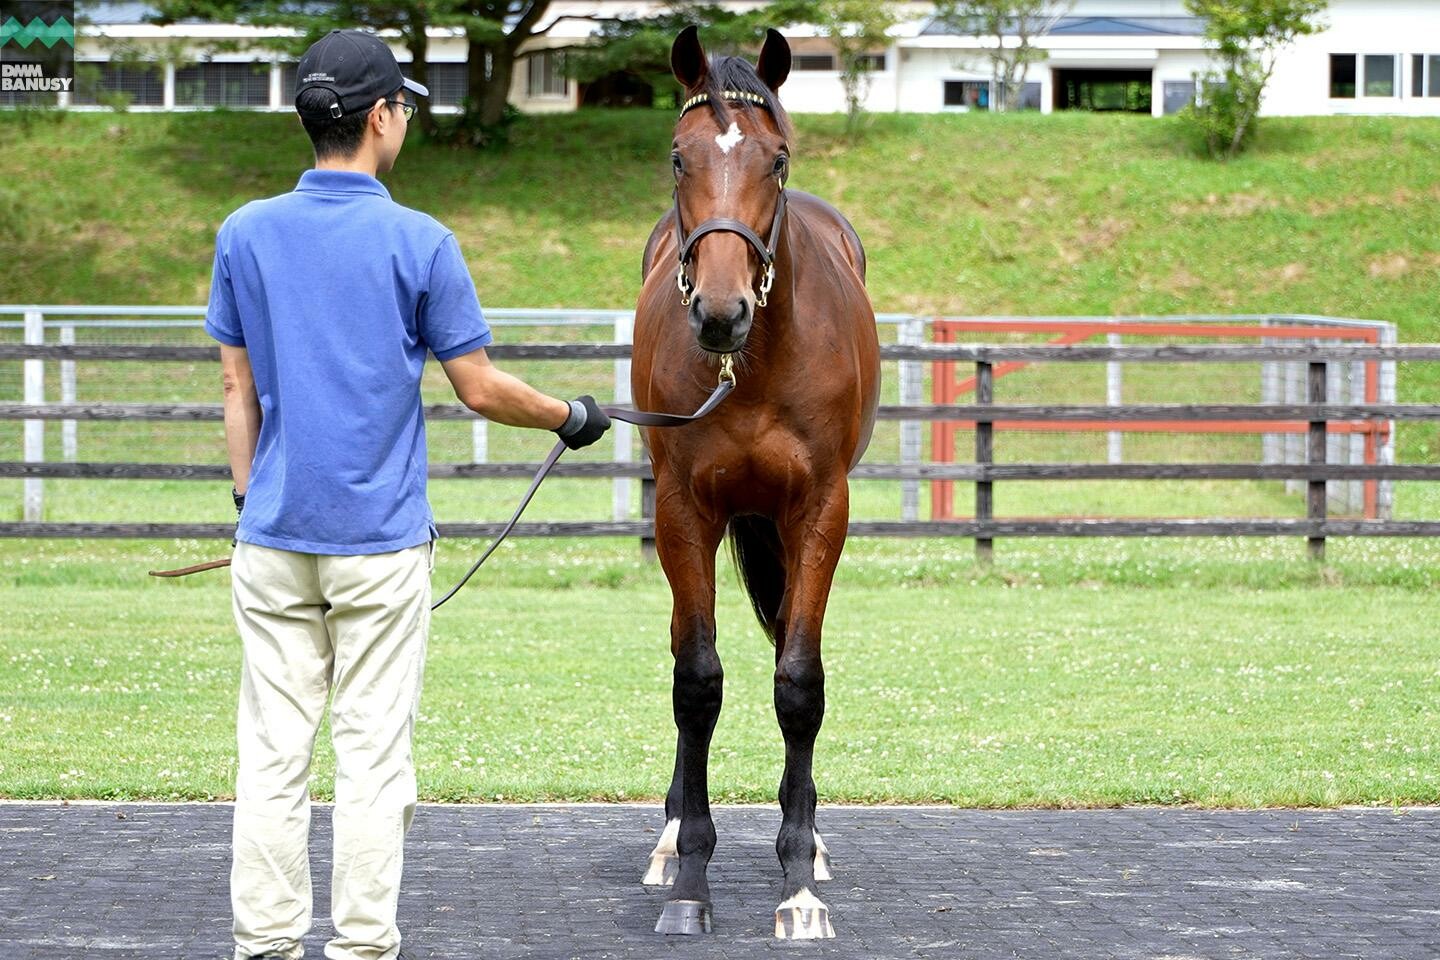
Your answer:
<point x="729" y="139"/>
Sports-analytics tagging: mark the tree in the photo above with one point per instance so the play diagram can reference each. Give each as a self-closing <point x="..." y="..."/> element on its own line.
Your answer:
<point x="1247" y="36"/>
<point x="495" y="31"/>
<point x="1016" y="25"/>
<point x="856" y="28"/>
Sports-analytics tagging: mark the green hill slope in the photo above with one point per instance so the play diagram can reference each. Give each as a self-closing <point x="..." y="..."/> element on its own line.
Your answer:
<point x="1015" y="214"/>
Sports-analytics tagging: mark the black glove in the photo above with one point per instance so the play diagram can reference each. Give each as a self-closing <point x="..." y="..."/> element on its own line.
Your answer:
<point x="586" y="423"/>
<point x="239" y="499"/>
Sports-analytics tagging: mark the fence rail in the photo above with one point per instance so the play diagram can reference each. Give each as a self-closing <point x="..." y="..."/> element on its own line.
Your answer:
<point x="956" y="411"/>
<point x="645" y="529"/>
<point x="1006" y="353"/>
<point x="1315" y="418"/>
<point x="964" y="472"/>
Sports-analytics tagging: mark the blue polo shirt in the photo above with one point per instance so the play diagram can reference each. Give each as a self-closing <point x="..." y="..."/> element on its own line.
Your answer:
<point x="337" y="292"/>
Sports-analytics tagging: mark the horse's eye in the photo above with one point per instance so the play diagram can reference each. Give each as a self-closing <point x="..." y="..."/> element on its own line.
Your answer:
<point x="677" y="163"/>
<point x="781" y="163"/>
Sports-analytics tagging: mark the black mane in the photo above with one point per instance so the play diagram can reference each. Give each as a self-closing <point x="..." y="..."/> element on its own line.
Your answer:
<point x="737" y="73"/>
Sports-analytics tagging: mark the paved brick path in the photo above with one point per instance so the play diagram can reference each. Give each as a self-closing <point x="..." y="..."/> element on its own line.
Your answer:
<point x="132" y="881"/>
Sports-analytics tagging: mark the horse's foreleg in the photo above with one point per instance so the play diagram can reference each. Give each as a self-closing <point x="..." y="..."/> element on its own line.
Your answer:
<point x="686" y="543"/>
<point x="812" y="548"/>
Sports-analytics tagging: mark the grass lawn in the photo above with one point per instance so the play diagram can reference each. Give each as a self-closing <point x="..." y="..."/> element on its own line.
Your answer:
<point x="1071" y="674"/>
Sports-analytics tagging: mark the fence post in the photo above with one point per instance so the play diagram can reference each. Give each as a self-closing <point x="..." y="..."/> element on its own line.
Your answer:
<point x="1385" y="491"/>
<point x="480" y="440"/>
<point x="1272" y="390"/>
<point x="1316" y="500"/>
<point x="984" y="456"/>
<point x="624" y="433"/>
<point x="647" y="512"/>
<point x="69" y="442"/>
<point x="34" y="510"/>
<point x="1114" y="397"/>
<point x="912" y="390"/>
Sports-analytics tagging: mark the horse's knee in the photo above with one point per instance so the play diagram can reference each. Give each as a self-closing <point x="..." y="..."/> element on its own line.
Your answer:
<point x="800" y="692"/>
<point x="699" y="681"/>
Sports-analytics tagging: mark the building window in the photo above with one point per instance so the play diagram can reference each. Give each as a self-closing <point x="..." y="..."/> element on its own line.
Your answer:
<point x="815" y="61"/>
<point x="1342" y="76"/>
<point x="448" y="82"/>
<point x="1177" y="94"/>
<point x="223" y="85"/>
<point x="142" y="84"/>
<point x="874" y="62"/>
<point x="1425" y="75"/>
<point x="546" y="79"/>
<point x="1380" y="74"/>
<point x="967" y="94"/>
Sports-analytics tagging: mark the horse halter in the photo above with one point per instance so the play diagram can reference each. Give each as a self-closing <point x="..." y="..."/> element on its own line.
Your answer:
<point x="766" y="250"/>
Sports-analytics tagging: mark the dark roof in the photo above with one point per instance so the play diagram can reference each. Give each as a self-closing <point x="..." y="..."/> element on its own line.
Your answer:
<point x="1089" y="27"/>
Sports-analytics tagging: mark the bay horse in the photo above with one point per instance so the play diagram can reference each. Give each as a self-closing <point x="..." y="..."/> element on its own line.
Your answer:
<point x="772" y="284"/>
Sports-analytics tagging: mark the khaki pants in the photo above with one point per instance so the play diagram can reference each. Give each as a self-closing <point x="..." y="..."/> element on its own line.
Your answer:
<point x="312" y="625"/>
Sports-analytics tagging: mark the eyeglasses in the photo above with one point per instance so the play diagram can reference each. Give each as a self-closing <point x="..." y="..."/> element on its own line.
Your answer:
<point x="406" y="108"/>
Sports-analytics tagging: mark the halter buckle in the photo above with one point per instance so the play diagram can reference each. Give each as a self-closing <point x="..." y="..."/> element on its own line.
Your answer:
<point x="727" y="369"/>
<point x="683" y="282"/>
<point x="766" y="282"/>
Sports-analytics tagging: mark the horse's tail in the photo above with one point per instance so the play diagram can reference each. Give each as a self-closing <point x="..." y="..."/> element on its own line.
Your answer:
<point x="760" y="559"/>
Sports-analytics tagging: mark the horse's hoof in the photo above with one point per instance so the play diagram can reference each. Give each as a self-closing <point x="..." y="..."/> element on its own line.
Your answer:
<point x="803" y="917"/>
<point x="684" y="916"/>
<point x="822" y="860"/>
<point x="663" y="870"/>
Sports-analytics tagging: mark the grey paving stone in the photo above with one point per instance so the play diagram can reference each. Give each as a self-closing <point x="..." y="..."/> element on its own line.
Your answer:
<point x="123" y="881"/>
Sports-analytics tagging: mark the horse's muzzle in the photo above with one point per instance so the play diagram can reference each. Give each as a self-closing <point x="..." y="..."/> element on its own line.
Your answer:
<point x="721" y="325"/>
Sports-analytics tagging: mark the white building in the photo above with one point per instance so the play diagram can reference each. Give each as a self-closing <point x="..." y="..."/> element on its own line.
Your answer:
<point x="1372" y="57"/>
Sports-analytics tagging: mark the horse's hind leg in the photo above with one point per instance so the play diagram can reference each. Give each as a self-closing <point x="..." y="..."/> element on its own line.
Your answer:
<point x="665" y="858"/>
<point x="686" y="543"/>
<point x="812" y="548"/>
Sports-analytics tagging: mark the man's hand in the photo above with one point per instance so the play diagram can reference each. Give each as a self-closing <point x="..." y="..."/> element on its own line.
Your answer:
<point x="239" y="499"/>
<point x="586" y="423"/>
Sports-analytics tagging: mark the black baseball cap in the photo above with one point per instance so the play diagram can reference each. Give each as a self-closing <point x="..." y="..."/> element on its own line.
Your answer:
<point x="357" y="67"/>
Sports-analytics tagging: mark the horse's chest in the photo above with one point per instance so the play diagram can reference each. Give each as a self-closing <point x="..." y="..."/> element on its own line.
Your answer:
<point x="748" y="472"/>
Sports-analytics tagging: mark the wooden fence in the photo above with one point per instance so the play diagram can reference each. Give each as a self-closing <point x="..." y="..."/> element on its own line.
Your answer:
<point x="1315" y="527"/>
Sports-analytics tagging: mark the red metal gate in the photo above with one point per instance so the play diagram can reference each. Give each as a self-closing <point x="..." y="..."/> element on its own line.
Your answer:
<point x="947" y="389"/>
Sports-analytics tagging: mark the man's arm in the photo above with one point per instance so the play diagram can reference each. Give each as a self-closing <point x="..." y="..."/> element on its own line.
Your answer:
<point x="497" y="396"/>
<point x="242" y="413"/>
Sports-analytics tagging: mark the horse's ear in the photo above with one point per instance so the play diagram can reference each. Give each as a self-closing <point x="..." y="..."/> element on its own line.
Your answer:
<point x="774" y="65"/>
<point x="687" y="59"/>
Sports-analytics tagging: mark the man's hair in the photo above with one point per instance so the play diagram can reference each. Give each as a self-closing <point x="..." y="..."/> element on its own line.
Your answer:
<point x="332" y="137"/>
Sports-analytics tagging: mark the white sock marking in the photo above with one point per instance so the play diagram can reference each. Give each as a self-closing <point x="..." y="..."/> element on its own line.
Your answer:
<point x="669" y="839"/>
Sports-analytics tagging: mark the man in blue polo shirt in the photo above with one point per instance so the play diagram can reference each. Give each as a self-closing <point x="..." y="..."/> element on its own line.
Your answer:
<point x="326" y="301"/>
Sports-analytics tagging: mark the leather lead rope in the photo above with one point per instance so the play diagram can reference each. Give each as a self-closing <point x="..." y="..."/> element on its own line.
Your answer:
<point x="640" y="418"/>
<point x="186" y="571"/>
